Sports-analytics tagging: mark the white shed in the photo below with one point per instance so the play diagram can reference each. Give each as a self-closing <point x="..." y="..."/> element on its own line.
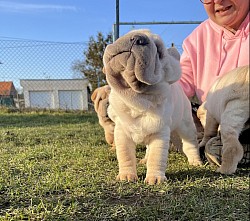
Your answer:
<point x="70" y="94"/>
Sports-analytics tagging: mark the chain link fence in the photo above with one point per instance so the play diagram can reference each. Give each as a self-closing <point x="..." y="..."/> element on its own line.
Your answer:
<point x="39" y="74"/>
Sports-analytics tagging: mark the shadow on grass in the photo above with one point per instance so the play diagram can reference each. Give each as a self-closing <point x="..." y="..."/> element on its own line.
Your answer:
<point x="173" y="203"/>
<point x="204" y="172"/>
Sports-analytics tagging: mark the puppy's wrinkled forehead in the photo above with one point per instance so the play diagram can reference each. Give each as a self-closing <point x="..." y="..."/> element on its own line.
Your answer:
<point x="141" y="35"/>
<point x="137" y="40"/>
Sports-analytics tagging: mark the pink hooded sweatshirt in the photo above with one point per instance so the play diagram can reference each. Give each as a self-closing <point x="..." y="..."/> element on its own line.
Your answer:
<point x="209" y="52"/>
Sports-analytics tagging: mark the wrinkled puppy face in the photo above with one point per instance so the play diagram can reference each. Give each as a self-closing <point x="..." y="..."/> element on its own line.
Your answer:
<point x="134" y="61"/>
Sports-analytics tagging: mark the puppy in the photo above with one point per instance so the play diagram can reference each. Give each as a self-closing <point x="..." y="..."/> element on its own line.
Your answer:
<point x="227" y="106"/>
<point x="146" y="104"/>
<point x="100" y="97"/>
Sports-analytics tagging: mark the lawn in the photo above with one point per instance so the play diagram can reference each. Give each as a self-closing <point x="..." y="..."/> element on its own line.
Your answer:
<point x="57" y="166"/>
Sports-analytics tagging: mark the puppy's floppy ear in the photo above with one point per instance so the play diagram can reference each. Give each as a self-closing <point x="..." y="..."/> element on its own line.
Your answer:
<point x="159" y="45"/>
<point x="172" y="67"/>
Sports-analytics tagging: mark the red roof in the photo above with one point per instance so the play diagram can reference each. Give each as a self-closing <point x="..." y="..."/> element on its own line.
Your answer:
<point x="7" y="88"/>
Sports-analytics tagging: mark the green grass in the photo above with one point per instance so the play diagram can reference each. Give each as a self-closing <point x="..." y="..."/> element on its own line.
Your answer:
<point x="57" y="166"/>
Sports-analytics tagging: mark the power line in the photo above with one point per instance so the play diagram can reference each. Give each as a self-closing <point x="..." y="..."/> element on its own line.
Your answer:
<point x="45" y="44"/>
<point x="161" y="23"/>
<point x="116" y="25"/>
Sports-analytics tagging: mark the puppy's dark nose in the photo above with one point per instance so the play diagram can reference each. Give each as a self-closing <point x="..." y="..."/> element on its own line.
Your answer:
<point x="139" y="40"/>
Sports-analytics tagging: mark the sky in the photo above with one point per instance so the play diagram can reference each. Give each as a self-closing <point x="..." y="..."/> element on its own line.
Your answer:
<point x="72" y="21"/>
<point x="77" y="20"/>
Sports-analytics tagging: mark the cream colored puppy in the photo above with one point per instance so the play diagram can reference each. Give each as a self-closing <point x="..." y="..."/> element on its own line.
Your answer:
<point x="227" y="106"/>
<point x="146" y="104"/>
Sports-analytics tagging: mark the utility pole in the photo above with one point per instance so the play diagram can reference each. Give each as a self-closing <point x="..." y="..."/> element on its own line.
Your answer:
<point x="118" y="23"/>
<point x="116" y="27"/>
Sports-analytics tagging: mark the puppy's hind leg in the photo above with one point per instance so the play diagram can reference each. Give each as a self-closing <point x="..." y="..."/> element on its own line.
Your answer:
<point x="232" y="122"/>
<point x="188" y="134"/>
<point x="145" y="159"/>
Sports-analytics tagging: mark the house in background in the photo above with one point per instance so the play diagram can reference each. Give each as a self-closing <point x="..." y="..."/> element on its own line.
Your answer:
<point x="67" y="94"/>
<point x="7" y="94"/>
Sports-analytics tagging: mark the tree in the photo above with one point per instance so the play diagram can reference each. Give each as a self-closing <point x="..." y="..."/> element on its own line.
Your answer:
<point x="91" y="66"/>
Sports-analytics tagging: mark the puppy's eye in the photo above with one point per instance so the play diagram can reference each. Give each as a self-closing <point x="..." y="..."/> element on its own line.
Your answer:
<point x="139" y="40"/>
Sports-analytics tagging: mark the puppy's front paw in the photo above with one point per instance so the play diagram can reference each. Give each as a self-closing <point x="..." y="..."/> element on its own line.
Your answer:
<point x="127" y="177"/>
<point x="152" y="180"/>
